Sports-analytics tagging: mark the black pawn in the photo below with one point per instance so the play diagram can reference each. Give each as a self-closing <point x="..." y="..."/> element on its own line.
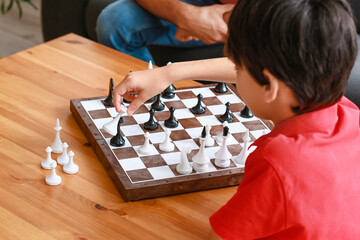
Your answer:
<point x="246" y="113"/>
<point x="151" y="99"/>
<point x="169" y="92"/>
<point x="151" y="125"/>
<point x="109" y="100"/>
<point x="198" y="108"/>
<point x="221" y="88"/>
<point x="118" y="140"/>
<point x="158" y="105"/>
<point x="171" y="122"/>
<point x="225" y="131"/>
<point x="227" y="115"/>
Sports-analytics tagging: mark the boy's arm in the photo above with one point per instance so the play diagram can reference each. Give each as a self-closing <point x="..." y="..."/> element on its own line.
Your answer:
<point x="148" y="83"/>
<point x="204" y="23"/>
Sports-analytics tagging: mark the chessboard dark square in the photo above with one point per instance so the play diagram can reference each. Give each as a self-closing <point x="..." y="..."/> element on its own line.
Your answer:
<point x="175" y="104"/>
<point x="190" y="123"/>
<point x="153" y="161"/>
<point x="235" y="149"/>
<point x="179" y="135"/>
<point x="232" y="165"/>
<point x="139" y="175"/>
<point x="237" y="107"/>
<point x="211" y="101"/>
<point x="128" y="121"/>
<point x="186" y="95"/>
<point x="162" y="116"/>
<point x="142" y="109"/>
<point x="216" y="130"/>
<point x="136" y="140"/>
<point x="156" y="145"/>
<point x="239" y="137"/>
<point x="254" y="125"/>
<point x="102" y="113"/>
<point x="106" y="134"/>
<point x="123" y="153"/>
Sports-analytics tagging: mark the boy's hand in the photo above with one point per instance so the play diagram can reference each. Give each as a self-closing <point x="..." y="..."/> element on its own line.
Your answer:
<point x="145" y="84"/>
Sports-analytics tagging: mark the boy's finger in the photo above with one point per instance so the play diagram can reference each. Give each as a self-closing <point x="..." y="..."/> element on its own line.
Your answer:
<point x="117" y="101"/>
<point x="135" y="104"/>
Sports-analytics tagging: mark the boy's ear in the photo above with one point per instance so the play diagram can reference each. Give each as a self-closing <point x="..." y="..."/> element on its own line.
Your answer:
<point x="271" y="89"/>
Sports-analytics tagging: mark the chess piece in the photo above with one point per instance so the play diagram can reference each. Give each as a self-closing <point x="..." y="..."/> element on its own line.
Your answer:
<point x="109" y="100"/>
<point x="219" y="137"/>
<point x="241" y="158"/>
<point x="111" y="127"/>
<point x="184" y="166"/>
<point x="64" y="158"/>
<point x="118" y="140"/>
<point x="57" y="145"/>
<point x="167" y="145"/>
<point x="151" y="125"/>
<point x="145" y="149"/>
<point x="150" y="66"/>
<point x="158" y="105"/>
<point x="53" y="179"/>
<point x="227" y="115"/>
<point x="223" y="156"/>
<point x="198" y="108"/>
<point x="71" y="167"/>
<point x="246" y="113"/>
<point x="46" y="164"/>
<point x="151" y="99"/>
<point x="209" y="141"/>
<point x="168" y="93"/>
<point x="171" y="122"/>
<point x="201" y="160"/>
<point x="221" y="88"/>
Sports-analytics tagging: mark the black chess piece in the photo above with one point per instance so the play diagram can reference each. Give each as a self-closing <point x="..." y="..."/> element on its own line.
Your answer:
<point x="151" y="125"/>
<point x="203" y="133"/>
<point x="169" y="92"/>
<point x="109" y="100"/>
<point x="118" y="140"/>
<point x="227" y="115"/>
<point x="198" y="108"/>
<point x="171" y="122"/>
<point x="158" y="105"/>
<point x="221" y="88"/>
<point x="246" y="113"/>
<point x="128" y="101"/>
<point x="151" y="99"/>
<point x="225" y="131"/>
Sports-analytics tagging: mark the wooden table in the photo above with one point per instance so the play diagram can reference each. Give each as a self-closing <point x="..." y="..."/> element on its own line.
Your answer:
<point x="36" y="87"/>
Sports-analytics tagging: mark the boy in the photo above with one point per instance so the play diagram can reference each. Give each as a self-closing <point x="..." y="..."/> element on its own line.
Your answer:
<point x="292" y="61"/>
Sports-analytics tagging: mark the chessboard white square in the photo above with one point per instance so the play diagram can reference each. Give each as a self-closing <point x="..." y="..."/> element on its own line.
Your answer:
<point x="194" y="132"/>
<point x="93" y="105"/>
<point x="161" y="172"/>
<point x="153" y="151"/>
<point x="229" y="98"/>
<point x="132" y="130"/>
<point x="127" y="144"/>
<point x="131" y="164"/>
<point x="171" y="158"/>
<point x="99" y="123"/>
<point x="157" y="137"/>
<point x="183" y="113"/>
<point x="211" y="120"/>
<point x="181" y="143"/>
<point x="112" y="111"/>
<point x="217" y="109"/>
<point x="210" y="151"/>
<point x="175" y="98"/>
<point x="236" y="127"/>
<point x="205" y="92"/>
<point x="189" y="103"/>
<point x="141" y="118"/>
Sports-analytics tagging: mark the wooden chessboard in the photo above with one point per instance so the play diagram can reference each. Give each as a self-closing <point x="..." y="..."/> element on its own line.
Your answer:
<point x="139" y="177"/>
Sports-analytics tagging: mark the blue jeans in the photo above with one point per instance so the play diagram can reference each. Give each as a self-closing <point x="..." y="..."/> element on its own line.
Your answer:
<point x="129" y="28"/>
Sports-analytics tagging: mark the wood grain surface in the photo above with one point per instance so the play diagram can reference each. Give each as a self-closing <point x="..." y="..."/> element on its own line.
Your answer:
<point x="36" y="86"/>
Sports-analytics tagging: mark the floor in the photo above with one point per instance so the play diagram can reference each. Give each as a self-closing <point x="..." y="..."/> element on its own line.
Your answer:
<point x="19" y="34"/>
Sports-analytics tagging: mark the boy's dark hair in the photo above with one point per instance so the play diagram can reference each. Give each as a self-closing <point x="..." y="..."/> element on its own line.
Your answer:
<point x="310" y="45"/>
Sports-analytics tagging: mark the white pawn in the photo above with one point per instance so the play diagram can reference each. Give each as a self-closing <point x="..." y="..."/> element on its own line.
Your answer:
<point x="111" y="127"/>
<point x="53" y="179"/>
<point x="150" y="65"/>
<point x="71" y="167"/>
<point x="184" y="166"/>
<point x="57" y="145"/>
<point x="167" y="145"/>
<point x="46" y="164"/>
<point x="201" y="160"/>
<point x="145" y="149"/>
<point x="223" y="156"/>
<point x="241" y="158"/>
<point x="209" y="141"/>
<point x="64" y="158"/>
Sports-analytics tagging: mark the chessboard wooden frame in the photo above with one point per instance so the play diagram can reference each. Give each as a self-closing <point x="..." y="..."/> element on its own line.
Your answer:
<point x="157" y="188"/>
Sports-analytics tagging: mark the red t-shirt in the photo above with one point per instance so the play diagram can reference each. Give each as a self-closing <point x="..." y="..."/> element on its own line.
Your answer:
<point x="301" y="182"/>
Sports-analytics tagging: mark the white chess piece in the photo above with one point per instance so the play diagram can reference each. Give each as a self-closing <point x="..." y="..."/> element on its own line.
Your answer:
<point x="57" y="145"/>
<point x="53" y="179"/>
<point x="209" y="141"/>
<point x="145" y="149"/>
<point x="184" y="166"/>
<point x="201" y="160"/>
<point x="223" y="156"/>
<point x="150" y="65"/>
<point x="167" y="145"/>
<point x="241" y="158"/>
<point x="71" y="167"/>
<point x="111" y="127"/>
<point x="64" y="158"/>
<point x="46" y="164"/>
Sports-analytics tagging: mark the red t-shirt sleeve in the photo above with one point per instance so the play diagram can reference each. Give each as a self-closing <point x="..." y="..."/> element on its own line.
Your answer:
<point x="257" y="209"/>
